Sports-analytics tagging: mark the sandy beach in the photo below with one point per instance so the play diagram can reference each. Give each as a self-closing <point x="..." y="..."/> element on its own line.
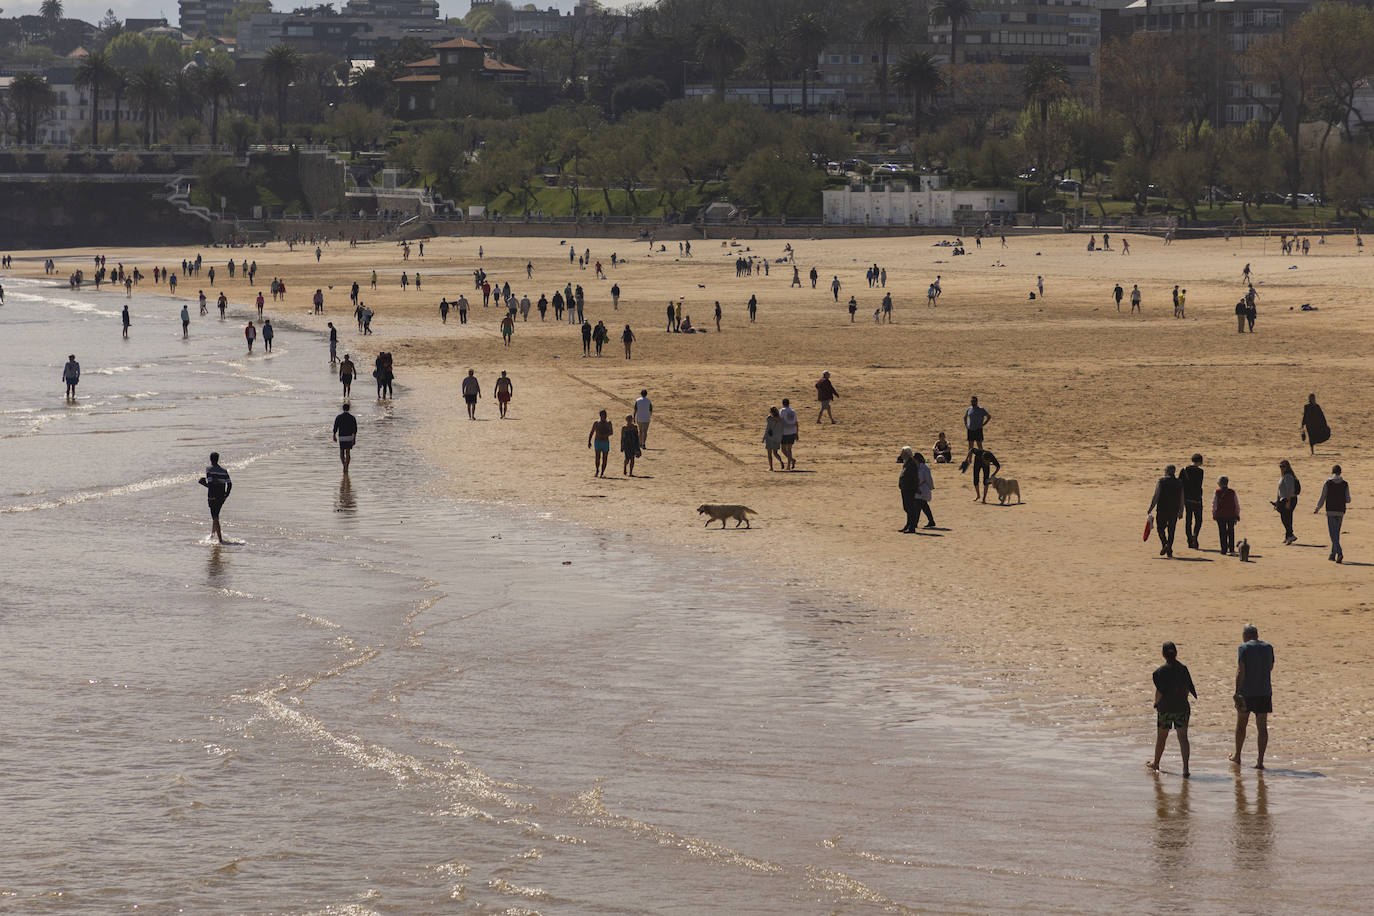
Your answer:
<point x="1055" y="603"/>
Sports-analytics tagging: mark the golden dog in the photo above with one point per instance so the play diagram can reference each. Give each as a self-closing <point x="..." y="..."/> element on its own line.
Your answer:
<point x="1006" y="488"/>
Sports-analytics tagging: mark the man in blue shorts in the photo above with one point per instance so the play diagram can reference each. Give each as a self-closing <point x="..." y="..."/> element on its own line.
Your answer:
<point x="1254" y="692"/>
<point x="599" y="440"/>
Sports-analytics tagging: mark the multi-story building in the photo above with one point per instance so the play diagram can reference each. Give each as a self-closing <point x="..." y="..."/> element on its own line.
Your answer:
<point x="72" y="113"/>
<point x="393" y="9"/>
<point x="853" y="69"/>
<point x="352" y="37"/>
<point x="455" y="60"/>
<point x="1014" y="32"/>
<point x="1227" y="28"/>
<point x="204" y="17"/>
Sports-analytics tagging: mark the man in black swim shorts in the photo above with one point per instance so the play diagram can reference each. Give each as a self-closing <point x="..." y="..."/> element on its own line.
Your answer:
<point x="345" y="433"/>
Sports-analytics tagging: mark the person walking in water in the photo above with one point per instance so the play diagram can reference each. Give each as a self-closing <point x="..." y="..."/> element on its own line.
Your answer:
<point x="1173" y="684"/>
<point x="505" y="390"/>
<point x="333" y="343"/>
<point x="1335" y="496"/>
<point x="250" y="334"/>
<point x="1314" y="426"/>
<point x="71" y="374"/>
<point x="1168" y="497"/>
<point x="1254" y="691"/>
<point x="346" y="434"/>
<point x="267" y="335"/>
<point x="346" y="373"/>
<point x="217" y="484"/>
<point x="472" y="390"/>
<point x="185" y="322"/>
<point x="599" y="440"/>
<point x="825" y="393"/>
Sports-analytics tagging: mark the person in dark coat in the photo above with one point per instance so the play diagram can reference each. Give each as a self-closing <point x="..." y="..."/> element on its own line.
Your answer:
<point x="1168" y="498"/>
<point x="1314" y="426"/>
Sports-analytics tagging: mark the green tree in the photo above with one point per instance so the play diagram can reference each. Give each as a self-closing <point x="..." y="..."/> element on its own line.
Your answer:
<point x="809" y="32"/>
<point x="129" y="51"/>
<point x="119" y="85"/>
<point x="51" y="13"/>
<point x="31" y="99"/>
<point x="768" y="58"/>
<point x="280" y="66"/>
<point x="721" y="51"/>
<point x="886" y="22"/>
<point x="958" y="13"/>
<point x="356" y="125"/>
<point x="93" y="73"/>
<point x="148" y="93"/>
<point x="919" y="77"/>
<point x="1044" y="80"/>
<point x="217" y="85"/>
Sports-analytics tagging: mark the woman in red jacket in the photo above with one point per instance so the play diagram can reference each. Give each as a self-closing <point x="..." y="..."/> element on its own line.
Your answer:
<point x="1226" y="512"/>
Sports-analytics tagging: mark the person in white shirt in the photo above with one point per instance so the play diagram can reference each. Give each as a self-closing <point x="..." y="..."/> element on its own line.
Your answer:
<point x="644" y="411"/>
<point x="789" y="432"/>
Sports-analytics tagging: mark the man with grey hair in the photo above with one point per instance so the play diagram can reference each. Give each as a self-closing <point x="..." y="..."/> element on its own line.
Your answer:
<point x="916" y="485"/>
<point x="1168" y="498"/>
<point x="1254" y="692"/>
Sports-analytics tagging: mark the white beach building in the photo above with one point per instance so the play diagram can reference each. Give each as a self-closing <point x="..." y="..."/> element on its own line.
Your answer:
<point x="899" y="203"/>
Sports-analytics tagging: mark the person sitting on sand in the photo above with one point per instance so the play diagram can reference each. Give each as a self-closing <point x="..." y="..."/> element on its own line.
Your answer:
<point x="1173" y="683"/>
<point x="941" y="450"/>
<point x="686" y="327"/>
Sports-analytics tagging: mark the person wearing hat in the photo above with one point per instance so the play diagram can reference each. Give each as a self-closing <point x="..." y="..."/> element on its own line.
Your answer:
<point x="916" y="485"/>
<point x="825" y="393"/>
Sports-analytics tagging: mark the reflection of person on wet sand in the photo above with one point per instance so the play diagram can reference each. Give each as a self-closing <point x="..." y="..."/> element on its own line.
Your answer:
<point x="1254" y="692"/>
<point x="1173" y="683"/>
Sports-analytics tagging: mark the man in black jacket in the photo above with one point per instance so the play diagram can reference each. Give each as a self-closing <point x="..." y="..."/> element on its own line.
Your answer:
<point x="1168" y="499"/>
<point x="1191" y="476"/>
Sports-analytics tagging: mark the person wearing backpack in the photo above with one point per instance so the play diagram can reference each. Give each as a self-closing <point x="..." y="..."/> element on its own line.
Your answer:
<point x="1289" y="490"/>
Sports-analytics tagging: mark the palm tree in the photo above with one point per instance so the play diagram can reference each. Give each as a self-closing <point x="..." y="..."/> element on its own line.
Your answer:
<point x="119" y="83"/>
<point x="958" y="13"/>
<point x="31" y="98"/>
<point x="721" y="51"/>
<point x="809" y="34"/>
<point x="93" y="72"/>
<point x="1044" y="80"/>
<point x="281" y="65"/>
<point x="51" y="13"/>
<point x="217" y="83"/>
<point x="768" y="59"/>
<point x="885" y="23"/>
<point x="920" y="78"/>
<point x="148" y="92"/>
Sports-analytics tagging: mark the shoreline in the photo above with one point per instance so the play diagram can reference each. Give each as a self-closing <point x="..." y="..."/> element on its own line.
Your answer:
<point x="1071" y="639"/>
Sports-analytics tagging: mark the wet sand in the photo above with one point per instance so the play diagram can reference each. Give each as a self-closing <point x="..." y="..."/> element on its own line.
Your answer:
<point x="1055" y="603"/>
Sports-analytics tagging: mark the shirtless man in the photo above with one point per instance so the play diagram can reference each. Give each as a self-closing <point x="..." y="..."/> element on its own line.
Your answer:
<point x="505" y="389"/>
<point x="599" y="440"/>
<point x="472" y="390"/>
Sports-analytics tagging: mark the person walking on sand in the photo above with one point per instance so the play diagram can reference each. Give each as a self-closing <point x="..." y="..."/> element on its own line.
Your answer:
<point x="586" y="339"/>
<point x="644" y="414"/>
<point x="1117" y="293"/>
<point x="717" y="316"/>
<point x="1135" y="298"/>
<point x="346" y="434"/>
<point x="790" y="432"/>
<point x="218" y="485"/>
<point x="1226" y="512"/>
<point x="71" y="375"/>
<point x="472" y="390"/>
<point x="1315" y="429"/>
<point x="507" y="328"/>
<point x="753" y="308"/>
<point x="975" y="419"/>
<point x="1335" y="496"/>
<point x="599" y="441"/>
<point x="909" y="483"/>
<point x="1040" y="286"/>
<point x="814" y="277"/>
<point x="1173" y="684"/>
<point x="825" y="393"/>
<point x="772" y="439"/>
<point x="1287" y="499"/>
<point x="627" y="337"/>
<point x="985" y="467"/>
<point x="835" y="287"/>
<point x="505" y="390"/>
<point x="629" y="445"/>
<point x="346" y="373"/>
<point x="1254" y="691"/>
<point x="1168" y="497"/>
<point x="1192" y="476"/>
<point x="185" y="322"/>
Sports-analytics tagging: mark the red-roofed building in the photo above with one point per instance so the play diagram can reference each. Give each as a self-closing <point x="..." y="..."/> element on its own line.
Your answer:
<point x="455" y="60"/>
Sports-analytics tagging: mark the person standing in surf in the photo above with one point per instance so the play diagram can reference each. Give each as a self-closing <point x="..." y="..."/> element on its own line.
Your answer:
<point x="124" y="319"/>
<point x="216" y="481"/>
<point x="1314" y="426"/>
<point x="345" y="433"/>
<point x="71" y="374"/>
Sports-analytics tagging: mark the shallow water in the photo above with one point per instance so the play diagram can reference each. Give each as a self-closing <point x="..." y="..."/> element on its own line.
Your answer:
<point x="384" y="701"/>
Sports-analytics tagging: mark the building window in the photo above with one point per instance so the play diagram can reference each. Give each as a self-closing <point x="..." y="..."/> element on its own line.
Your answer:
<point x="834" y="58"/>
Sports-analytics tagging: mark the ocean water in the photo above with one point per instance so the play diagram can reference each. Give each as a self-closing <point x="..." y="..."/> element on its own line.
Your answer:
<point x="379" y="700"/>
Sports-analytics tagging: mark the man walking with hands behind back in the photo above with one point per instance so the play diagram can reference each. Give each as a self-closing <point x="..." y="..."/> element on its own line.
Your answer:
<point x="1254" y="692"/>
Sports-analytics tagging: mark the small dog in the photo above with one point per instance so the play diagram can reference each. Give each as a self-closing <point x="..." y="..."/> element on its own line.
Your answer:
<point x="1006" y="488"/>
<point x="1244" y="550"/>
<point x="716" y="513"/>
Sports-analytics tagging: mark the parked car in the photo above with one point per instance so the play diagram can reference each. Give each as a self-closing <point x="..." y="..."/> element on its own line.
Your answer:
<point x="1071" y="185"/>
